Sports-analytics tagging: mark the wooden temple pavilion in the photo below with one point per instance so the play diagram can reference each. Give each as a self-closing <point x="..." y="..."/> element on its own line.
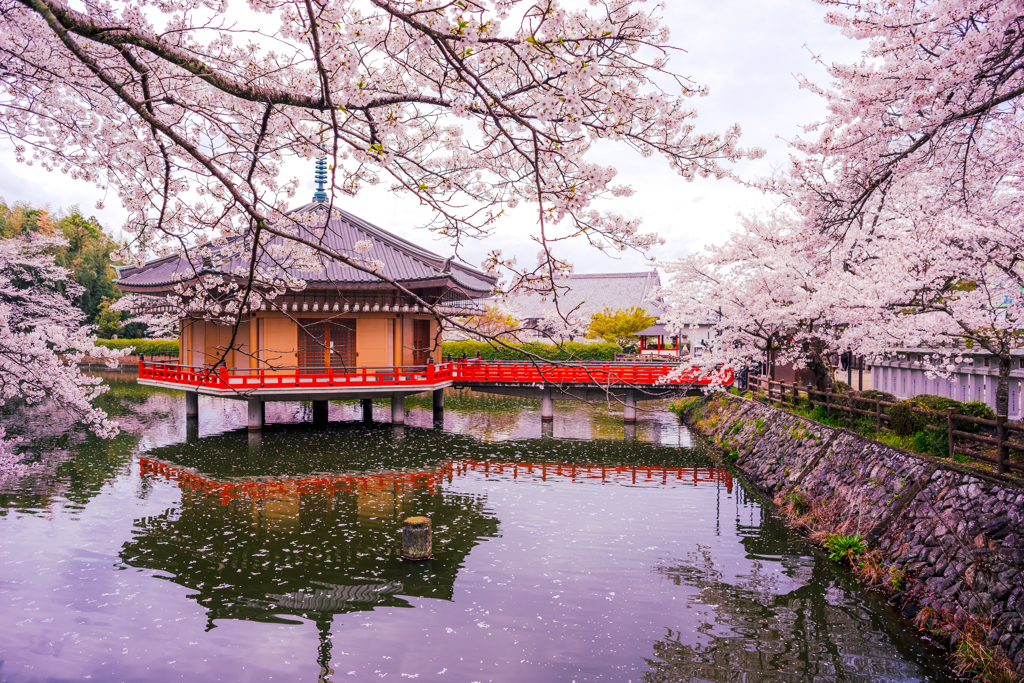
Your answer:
<point x="347" y="334"/>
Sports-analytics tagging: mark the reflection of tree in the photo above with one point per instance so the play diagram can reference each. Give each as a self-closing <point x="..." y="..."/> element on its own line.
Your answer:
<point x="303" y="554"/>
<point x="797" y="625"/>
<point x="72" y="463"/>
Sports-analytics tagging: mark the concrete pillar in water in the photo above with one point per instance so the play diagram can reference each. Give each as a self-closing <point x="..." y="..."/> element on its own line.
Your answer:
<point x="367" y="410"/>
<point x="629" y="432"/>
<point x="256" y="418"/>
<point x="398" y="409"/>
<point x="255" y="442"/>
<point x="417" y="539"/>
<point x="191" y="404"/>
<point x="547" y="405"/>
<point x="439" y="408"/>
<point x="547" y="429"/>
<point x="319" y="412"/>
<point x="629" y="406"/>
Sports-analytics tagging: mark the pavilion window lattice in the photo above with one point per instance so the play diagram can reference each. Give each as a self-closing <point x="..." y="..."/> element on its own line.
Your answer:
<point x="328" y="344"/>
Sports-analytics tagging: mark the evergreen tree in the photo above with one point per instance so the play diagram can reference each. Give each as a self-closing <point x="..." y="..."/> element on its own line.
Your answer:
<point x="87" y="252"/>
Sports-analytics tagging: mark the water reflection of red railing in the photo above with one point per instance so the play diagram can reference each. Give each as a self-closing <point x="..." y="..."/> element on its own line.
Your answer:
<point x="431" y="479"/>
<point x="610" y="474"/>
<point x="353" y="483"/>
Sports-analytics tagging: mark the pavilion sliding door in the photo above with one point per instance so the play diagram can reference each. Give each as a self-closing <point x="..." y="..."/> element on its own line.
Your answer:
<point x="327" y="344"/>
<point x="421" y="342"/>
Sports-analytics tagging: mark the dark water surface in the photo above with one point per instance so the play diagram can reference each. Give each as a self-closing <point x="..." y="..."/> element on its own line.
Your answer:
<point x="587" y="554"/>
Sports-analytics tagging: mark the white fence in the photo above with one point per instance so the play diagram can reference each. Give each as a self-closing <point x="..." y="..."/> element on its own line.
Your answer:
<point x="904" y="375"/>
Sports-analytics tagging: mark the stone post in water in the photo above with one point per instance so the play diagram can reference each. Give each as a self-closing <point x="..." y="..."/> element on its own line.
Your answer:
<point x="417" y="539"/>
<point x="547" y="404"/>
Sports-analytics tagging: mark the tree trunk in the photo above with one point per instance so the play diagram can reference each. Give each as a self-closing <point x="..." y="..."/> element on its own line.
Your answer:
<point x="1003" y="386"/>
<point x="823" y="379"/>
<point x="814" y="353"/>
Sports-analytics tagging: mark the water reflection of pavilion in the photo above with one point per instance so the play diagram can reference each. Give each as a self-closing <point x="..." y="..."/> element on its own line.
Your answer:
<point x="271" y="550"/>
<point x="310" y="547"/>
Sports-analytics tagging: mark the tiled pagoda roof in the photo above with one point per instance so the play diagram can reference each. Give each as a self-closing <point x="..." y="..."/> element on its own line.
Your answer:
<point x="404" y="262"/>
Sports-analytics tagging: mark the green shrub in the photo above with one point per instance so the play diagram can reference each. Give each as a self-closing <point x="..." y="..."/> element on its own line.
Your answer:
<point x="150" y="347"/>
<point x="799" y="502"/>
<point x="878" y="394"/>
<point x="568" y="352"/>
<point x="904" y="423"/>
<point x="902" y="420"/>
<point x="865" y="424"/>
<point x="977" y="409"/>
<point x="932" y="441"/>
<point x="939" y="403"/>
<point x="844" y="549"/>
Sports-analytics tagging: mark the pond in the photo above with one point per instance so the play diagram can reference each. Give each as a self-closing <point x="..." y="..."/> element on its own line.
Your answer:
<point x="586" y="552"/>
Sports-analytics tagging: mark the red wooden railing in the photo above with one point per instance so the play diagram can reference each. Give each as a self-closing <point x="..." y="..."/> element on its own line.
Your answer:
<point x="246" y="379"/>
<point x="462" y="371"/>
<point x="498" y="372"/>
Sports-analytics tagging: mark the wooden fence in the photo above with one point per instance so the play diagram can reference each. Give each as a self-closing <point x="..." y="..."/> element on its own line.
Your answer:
<point x="996" y="436"/>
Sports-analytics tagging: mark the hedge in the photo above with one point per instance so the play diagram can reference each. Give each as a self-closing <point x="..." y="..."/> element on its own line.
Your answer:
<point x="568" y="351"/>
<point x="904" y="421"/>
<point x="150" y="347"/>
<point x="469" y="349"/>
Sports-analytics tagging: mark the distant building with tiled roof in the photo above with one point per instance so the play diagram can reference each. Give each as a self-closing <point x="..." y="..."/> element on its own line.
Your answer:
<point x="583" y="294"/>
<point x="592" y="293"/>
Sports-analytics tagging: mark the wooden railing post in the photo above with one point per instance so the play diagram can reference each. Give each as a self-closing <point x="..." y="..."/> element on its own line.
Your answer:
<point x="1002" y="452"/>
<point x="949" y="432"/>
<point x="878" y="415"/>
<point x="810" y="398"/>
<point x="795" y="394"/>
<point x="828" y="403"/>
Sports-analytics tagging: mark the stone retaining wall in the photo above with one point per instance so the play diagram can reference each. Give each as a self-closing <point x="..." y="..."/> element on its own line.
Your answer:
<point x="958" y="531"/>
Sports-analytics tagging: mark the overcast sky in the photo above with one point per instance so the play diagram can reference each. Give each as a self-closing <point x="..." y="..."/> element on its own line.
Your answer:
<point x="748" y="53"/>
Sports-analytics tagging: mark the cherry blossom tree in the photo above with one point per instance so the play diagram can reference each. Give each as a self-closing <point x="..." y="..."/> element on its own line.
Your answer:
<point x="767" y="293"/>
<point x="43" y="337"/>
<point x="935" y="97"/>
<point x="471" y="106"/>
<point x="914" y="178"/>
<point x="151" y="311"/>
<point x="944" y="280"/>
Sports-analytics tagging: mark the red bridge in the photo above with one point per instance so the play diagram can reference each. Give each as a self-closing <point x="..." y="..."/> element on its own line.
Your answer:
<point x="549" y="381"/>
<point x="422" y="377"/>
